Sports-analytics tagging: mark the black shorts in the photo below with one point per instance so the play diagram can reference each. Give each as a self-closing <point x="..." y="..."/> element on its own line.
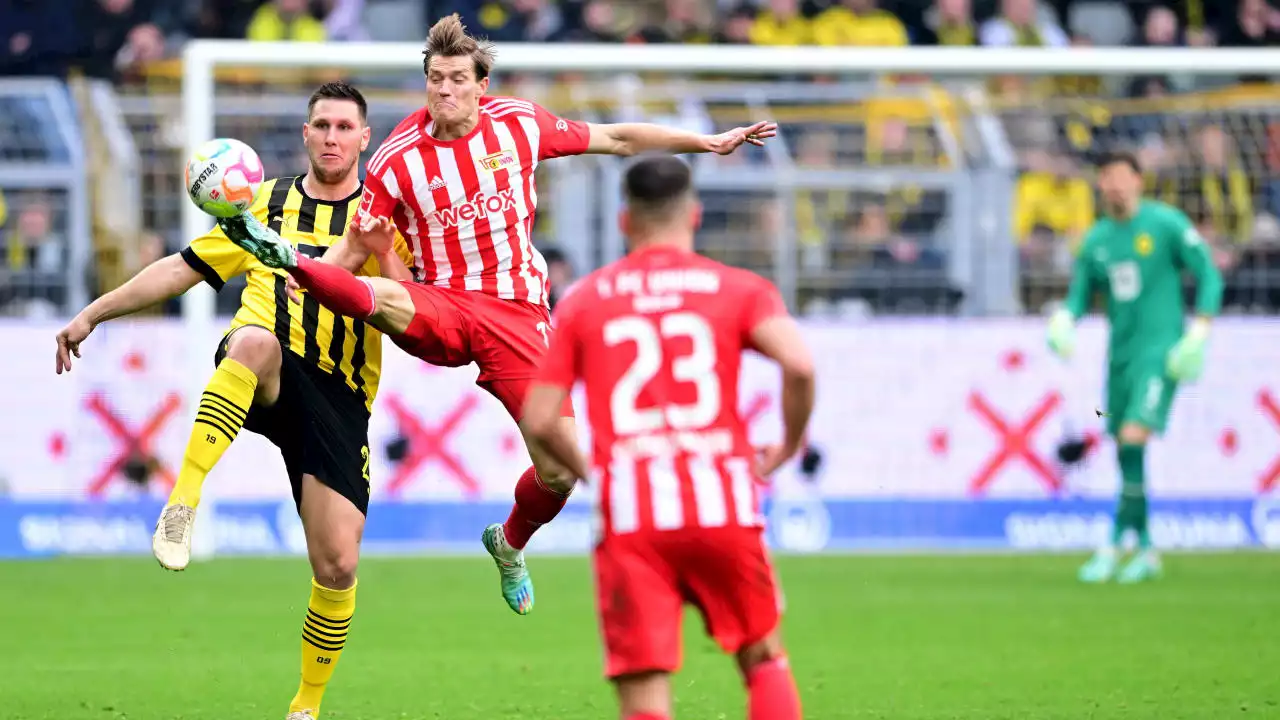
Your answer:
<point x="320" y="425"/>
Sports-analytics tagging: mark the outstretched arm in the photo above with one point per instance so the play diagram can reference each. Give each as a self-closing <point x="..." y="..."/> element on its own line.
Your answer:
<point x="163" y="279"/>
<point x="634" y="138"/>
<point x="166" y="278"/>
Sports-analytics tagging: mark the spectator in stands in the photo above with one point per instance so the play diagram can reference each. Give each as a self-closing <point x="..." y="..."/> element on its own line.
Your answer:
<point x="32" y="244"/>
<point x="781" y="24"/>
<point x="1051" y="194"/>
<point x="225" y="19"/>
<point x="1219" y="189"/>
<point x="1255" y="24"/>
<point x="949" y="22"/>
<point x="1160" y="158"/>
<point x="1019" y="24"/>
<point x="286" y="20"/>
<point x="124" y="35"/>
<point x="1160" y="28"/>
<point x="877" y="238"/>
<point x="735" y="28"/>
<point x="34" y="259"/>
<point x="36" y="37"/>
<point x="519" y="20"/>
<point x="343" y="20"/>
<point x="593" y="21"/>
<point x="858" y="23"/>
<point x="1225" y="254"/>
<point x="680" y="21"/>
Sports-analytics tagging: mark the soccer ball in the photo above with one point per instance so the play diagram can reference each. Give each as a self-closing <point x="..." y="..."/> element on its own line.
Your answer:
<point x="223" y="177"/>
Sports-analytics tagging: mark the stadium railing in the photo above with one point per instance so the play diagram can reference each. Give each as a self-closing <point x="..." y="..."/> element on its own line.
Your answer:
<point x="43" y="182"/>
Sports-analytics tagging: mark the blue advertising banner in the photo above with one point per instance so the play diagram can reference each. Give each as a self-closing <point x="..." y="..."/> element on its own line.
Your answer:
<point x="43" y="529"/>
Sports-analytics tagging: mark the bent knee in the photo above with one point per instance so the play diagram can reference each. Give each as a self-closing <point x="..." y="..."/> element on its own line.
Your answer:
<point x="393" y="308"/>
<point x="767" y="649"/>
<point x="336" y="570"/>
<point x="255" y="348"/>
<point x="1134" y="434"/>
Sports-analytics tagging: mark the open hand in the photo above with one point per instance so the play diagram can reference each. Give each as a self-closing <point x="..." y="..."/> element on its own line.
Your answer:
<point x="69" y="339"/>
<point x="375" y="235"/>
<point x="291" y="288"/>
<point x="727" y="142"/>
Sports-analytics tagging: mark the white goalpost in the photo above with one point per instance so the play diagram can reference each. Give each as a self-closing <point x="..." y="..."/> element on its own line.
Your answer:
<point x="202" y="58"/>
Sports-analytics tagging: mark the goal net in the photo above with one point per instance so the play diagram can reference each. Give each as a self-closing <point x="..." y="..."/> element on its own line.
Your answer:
<point x="905" y="181"/>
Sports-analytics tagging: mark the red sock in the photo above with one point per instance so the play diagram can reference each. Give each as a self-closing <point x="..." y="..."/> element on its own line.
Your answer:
<point x="646" y="716"/>
<point x="772" y="690"/>
<point x="536" y="505"/>
<point x="335" y="288"/>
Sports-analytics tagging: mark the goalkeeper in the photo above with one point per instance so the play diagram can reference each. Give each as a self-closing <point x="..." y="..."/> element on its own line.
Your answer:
<point x="1135" y="256"/>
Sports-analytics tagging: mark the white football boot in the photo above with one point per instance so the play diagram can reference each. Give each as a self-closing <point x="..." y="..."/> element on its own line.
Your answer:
<point x="172" y="542"/>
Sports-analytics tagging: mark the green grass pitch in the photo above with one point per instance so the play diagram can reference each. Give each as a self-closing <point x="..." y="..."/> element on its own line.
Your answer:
<point x="906" y="638"/>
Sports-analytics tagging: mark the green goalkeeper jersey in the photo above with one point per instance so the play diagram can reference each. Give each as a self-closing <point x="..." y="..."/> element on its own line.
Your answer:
<point x="1138" y="265"/>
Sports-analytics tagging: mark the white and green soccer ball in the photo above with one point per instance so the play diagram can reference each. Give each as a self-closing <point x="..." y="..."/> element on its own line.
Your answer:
<point x="223" y="177"/>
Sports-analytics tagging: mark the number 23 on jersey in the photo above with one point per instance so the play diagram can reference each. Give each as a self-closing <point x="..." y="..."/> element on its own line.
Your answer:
<point x="649" y="336"/>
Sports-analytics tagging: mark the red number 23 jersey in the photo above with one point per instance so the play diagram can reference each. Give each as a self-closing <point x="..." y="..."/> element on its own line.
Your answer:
<point x="657" y="338"/>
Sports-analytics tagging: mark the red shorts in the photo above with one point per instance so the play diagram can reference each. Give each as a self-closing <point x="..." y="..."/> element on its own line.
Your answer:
<point x="506" y="338"/>
<point x="644" y="580"/>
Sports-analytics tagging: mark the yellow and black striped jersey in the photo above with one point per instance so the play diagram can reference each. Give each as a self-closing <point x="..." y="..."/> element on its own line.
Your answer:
<point x="343" y="346"/>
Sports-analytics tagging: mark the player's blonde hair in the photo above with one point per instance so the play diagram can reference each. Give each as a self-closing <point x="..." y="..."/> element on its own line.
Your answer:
<point x="449" y="38"/>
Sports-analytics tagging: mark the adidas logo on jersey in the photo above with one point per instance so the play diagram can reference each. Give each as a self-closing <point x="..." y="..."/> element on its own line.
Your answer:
<point x="435" y="184"/>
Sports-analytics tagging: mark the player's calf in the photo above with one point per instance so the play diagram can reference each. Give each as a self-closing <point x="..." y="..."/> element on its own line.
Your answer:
<point x="644" y="696"/>
<point x="772" y="693"/>
<point x="334" y="526"/>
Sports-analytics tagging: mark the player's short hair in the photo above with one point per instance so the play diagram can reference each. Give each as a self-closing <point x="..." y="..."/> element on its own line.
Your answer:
<point x="656" y="184"/>
<point x="1112" y="157"/>
<point x="338" y="90"/>
<point x="449" y="38"/>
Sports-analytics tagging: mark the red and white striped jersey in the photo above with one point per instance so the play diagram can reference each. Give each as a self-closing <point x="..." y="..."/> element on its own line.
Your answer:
<point x="657" y="338"/>
<point x="466" y="206"/>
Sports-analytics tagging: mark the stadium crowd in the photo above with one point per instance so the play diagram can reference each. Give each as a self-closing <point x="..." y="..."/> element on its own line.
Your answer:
<point x="1212" y="150"/>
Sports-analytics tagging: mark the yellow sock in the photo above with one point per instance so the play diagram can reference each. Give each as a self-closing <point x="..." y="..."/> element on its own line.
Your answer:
<point x="324" y="632"/>
<point x="221" y="414"/>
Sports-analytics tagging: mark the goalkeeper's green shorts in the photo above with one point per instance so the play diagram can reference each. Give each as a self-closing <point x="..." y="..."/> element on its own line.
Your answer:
<point x="1140" y="393"/>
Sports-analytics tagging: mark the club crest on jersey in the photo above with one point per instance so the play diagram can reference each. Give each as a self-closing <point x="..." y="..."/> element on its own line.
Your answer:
<point x="498" y="161"/>
<point x="481" y="204"/>
<point x="1143" y="245"/>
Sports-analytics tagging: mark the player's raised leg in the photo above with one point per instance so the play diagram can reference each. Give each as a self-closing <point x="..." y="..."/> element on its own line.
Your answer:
<point x="385" y="303"/>
<point x="333" y="527"/>
<point x="540" y="495"/>
<point x="249" y="373"/>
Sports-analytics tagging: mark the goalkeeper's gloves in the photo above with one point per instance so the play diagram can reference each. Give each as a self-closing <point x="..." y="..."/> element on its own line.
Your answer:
<point x="1186" y="360"/>
<point x="1062" y="333"/>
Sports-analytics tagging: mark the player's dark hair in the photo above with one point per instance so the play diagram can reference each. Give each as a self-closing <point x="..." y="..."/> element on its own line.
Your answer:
<point x="449" y="38"/>
<point x="655" y="184"/>
<point x="1120" y="156"/>
<point x="338" y="91"/>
